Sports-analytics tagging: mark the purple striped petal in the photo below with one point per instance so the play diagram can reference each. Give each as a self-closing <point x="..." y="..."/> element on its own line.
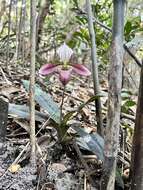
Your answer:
<point x="64" y="76"/>
<point x="81" y="70"/>
<point x="48" y="69"/>
<point x="65" y="52"/>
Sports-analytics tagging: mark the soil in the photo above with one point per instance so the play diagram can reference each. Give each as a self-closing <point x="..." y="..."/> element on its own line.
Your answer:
<point x="58" y="173"/>
<point x="20" y="180"/>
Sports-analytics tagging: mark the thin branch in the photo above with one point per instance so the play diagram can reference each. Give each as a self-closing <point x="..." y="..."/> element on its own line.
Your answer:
<point x="32" y="80"/>
<point x="132" y="55"/>
<point x="94" y="67"/>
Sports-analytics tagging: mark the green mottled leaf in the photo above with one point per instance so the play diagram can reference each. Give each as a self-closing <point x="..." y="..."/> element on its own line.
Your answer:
<point x="45" y="101"/>
<point x="22" y="111"/>
<point x="91" y="142"/>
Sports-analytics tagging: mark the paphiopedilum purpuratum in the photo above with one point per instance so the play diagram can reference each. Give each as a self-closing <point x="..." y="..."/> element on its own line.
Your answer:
<point x="65" y="69"/>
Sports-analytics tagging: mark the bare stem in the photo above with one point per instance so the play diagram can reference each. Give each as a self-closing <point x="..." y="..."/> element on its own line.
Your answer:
<point x="61" y="107"/>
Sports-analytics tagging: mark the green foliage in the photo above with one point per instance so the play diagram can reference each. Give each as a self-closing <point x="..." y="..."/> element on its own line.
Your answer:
<point x="47" y="103"/>
<point x="127" y="102"/>
<point x="132" y="27"/>
<point x="82" y="35"/>
<point x="127" y="105"/>
<point x="69" y="17"/>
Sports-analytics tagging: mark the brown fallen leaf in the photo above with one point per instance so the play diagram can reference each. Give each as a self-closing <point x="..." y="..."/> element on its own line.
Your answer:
<point x="8" y="90"/>
<point x="14" y="168"/>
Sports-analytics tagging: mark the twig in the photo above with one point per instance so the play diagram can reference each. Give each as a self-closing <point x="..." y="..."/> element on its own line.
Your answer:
<point x="21" y="153"/>
<point x="40" y="152"/>
<point x="80" y="11"/>
<point x="4" y="76"/>
<point x="132" y="55"/>
<point x="37" y="188"/>
<point x="43" y="126"/>
<point x="16" y="160"/>
<point x="85" y="182"/>
<point x="103" y="25"/>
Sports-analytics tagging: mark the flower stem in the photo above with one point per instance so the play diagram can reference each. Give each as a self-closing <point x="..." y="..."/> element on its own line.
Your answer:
<point x="61" y="107"/>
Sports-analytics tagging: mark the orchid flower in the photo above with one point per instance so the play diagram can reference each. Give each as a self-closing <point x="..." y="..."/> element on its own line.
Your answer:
<point x="65" y="69"/>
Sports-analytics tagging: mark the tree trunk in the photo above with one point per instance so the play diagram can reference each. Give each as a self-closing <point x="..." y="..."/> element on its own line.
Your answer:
<point x="23" y="39"/>
<point x="8" y="38"/>
<point x="44" y="10"/>
<point x="114" y="98"/>
<point x="20" y="32"/>
<point x="137" y="153"/>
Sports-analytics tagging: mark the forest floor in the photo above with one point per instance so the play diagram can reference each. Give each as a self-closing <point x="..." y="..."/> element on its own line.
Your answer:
<point x="59" y="167"/>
